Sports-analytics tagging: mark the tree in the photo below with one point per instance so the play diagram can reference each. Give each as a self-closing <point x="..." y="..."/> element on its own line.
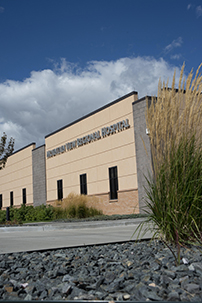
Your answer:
<point x="5" y="152"/>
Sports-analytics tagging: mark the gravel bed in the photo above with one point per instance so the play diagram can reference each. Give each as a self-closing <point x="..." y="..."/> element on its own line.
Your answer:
<point x="143" y="271"/>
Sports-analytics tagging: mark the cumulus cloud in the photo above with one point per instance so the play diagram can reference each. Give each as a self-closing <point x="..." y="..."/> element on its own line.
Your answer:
<point x="175" y="43"/>
<point x="50" y="99"/>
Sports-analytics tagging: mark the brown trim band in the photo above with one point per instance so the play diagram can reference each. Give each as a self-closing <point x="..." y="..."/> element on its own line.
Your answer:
<point x="127" y="190"/>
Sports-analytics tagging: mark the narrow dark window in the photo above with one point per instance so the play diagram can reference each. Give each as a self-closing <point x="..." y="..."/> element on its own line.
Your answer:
<point x="60" y="189"/>
<point x="83" y="184"/>
<point x="24" y="196"/>
<point x="11" y="198"/>
<point x="1" y="201"/>
<point x="113" y="182"/>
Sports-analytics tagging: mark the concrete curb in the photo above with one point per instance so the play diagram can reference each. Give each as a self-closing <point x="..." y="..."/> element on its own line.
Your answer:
<point x="48" y="226"/>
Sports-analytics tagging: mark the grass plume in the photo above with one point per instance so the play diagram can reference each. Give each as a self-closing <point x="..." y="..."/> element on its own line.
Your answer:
<point x="174" y="114"/>
<point x="174" y="190"/>
<point x="76" y="206"/>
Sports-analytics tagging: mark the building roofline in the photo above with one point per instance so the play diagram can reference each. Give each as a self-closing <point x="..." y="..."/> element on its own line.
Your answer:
<point x="141" y="99"/>
<point x="22" y="148"/>
<point x="93" y="112"/>
<point x="38" y="147"/>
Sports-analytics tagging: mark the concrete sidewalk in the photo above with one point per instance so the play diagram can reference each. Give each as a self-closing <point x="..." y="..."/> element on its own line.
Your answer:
<point x="43" y="236"/>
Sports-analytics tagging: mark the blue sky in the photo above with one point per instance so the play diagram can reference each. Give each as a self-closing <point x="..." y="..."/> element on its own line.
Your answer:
<point x="61" y="59"/>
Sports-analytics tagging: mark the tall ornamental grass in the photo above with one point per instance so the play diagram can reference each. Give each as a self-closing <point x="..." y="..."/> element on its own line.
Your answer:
<point x="76" y="206"/>
<point x="174" y="189"/>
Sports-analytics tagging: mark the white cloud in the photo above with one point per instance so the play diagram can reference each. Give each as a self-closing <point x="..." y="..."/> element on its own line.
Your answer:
<point x="175" y="43"/>
<point x="50" y="99"/>
<point x="176" y="56"/>
<point x="199" y="11"/>
<point x="1" y="9"/>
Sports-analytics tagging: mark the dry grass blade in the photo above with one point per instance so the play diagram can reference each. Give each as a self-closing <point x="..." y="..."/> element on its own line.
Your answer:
<point x="174" y="191"/>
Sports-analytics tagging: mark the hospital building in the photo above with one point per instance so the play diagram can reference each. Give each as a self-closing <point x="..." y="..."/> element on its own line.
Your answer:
<point x="101" y="154"/>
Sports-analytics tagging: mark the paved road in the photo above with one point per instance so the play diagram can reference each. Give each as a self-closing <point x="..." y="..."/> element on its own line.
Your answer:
<point x="61" y="235"/>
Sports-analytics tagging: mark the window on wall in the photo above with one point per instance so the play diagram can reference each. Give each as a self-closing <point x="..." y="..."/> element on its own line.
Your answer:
<point x="11" y="198"/>
<point x="83" y="184"/>
<point x="1" y="201"/>
<point x="24" y="196"/>
<point x="113" y="183"/>
<point x="60" y="189"/>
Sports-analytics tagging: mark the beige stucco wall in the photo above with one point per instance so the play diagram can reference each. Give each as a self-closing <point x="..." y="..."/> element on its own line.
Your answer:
<point x="96" y="157"/>
<point x="17" y="175"/>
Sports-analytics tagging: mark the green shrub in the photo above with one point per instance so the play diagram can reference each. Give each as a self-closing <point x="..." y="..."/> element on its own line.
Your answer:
<point x="74" y="206"/>
<point x="82" y="211"/>
<point x="18" y="214"/>
<point x="59" y="213"/>
<point x="2" y="216"/>
<point x="30" y="215"/>
<point x="44" y="213"/>
<point x="71" y="211"/>
<point x="93" y="212"/>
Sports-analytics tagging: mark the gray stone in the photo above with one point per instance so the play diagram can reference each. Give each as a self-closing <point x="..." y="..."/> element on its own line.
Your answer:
<point x="191" y="267"/>
<point x="76" y="293"/>
<point x="192" y="287"/>
<point x="99" y="282"/>
<point x="155" y="266"/>
<point x="171" y="274"/>
<point x="113" y="287"/>
<point x="173" y="296"/>
<point x="165" y="280"/>
<point x="16" y="285"/>
<point x="30" y="289"/>
<point x="66" y="289"/>
<point x="68" y="278"/>
<point x="57" y="297"/>
<point x="163" y="293"/>
<point x="181" y="268"/>
<point x="131" y="272"/>
<point x="85" y="297"/>
<point x="184" y="297"/>
<point x="28" y="297"/>
<point x="184" y="279"/>
<point x="43" y="295"/>
<point x="100" y="295"/>
<point x="198" y="267"/>
<point x="59" y="255"/>
<point x="109" y="277"/>
<point x="153" y="296"/>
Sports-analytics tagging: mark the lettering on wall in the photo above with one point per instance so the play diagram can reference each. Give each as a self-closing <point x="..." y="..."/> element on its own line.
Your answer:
<point x="105" y="131"/>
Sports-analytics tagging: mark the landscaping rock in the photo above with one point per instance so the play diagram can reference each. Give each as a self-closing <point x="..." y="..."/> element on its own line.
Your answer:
<point x="143" y="271"/>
